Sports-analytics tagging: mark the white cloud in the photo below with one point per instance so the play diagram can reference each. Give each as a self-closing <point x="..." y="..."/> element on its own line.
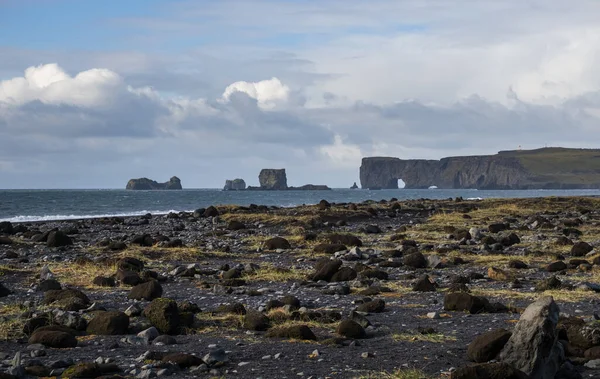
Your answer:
<point x="268" y="93"/>
<point x="342" y="154"/>
<point x="50" y="84"/>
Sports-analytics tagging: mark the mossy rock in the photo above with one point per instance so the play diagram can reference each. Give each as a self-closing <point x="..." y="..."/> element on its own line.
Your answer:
<point x="163" y="314"/>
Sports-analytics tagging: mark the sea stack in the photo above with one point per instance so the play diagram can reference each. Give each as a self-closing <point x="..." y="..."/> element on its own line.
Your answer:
<point x="147" y="184"/>
<point x="234" y="185"/>
<point x="354" y="186"/>
<point x="273" y="179"/>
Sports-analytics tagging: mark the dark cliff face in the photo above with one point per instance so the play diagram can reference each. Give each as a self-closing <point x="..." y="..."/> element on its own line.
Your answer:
<point x="273" y="179"/>
<point x="147" y="184"/>
<point x="235" y="185"/>
<point x="534" y="169"/>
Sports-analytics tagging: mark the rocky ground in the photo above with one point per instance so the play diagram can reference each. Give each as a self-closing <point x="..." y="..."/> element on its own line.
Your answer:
<point x="372" y="290"/>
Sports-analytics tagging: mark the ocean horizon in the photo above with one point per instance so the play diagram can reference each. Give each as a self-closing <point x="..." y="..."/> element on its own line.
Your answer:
<point x="29" y="205"/>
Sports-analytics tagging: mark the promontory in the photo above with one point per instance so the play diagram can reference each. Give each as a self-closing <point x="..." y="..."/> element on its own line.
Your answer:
<point x="546" y="168"/>
<point x="147" y="184"/>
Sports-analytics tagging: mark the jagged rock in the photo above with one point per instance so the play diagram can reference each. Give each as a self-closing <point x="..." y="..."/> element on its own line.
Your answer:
<point x="272" y="179"/>
<point x="533" y="347"/>
<point x="235" y="225"/>
<point x="235" y="185"/>
<point x="487" y="346"/>
<point x="108" y="324"/>
<point x="71" y="320"/>
<point x="146" y="184"/>
<point x="344" y="274"/>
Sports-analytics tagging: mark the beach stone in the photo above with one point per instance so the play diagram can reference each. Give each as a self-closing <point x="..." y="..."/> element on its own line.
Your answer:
<point x="48" y="285"/>
<point x="276" y="243"/>
<point x="351" y="329"/>
<point x="344" y="239"/>
<point x="584" y="336"/>
<point x="129" y="278"/>
<point x="164" y="315"/>
<point x="487" y="346"/>
<point x="329" y="248"/>
<point x="299" y="332"/>
<point x="556" y="266"/>
<point x="497" y="370"/>
<point x="517" y="264"/>
<point x="165" y="339"/>
<point x="146" y="291"/>
<point x="254" y="320"/>
<point x="233" y="308"/>
<point x="497" y="274"/>
<point x="103" y="281"/>
<point x="551" y="283"/>
<point x="149" y="334"/>
<point x="90" y="370"/>
<point x="52" y="296"/>
<point x="4" y="291"/>
<point x="424" y="284"/>
<point x="54" y="339"/>
<point x="71" y="320"/>
<point x="236" y="225"/>
<point x="325" y="269"/>
<point x="117" y="246"/>
<point x="344" y="274"/>
<point x="130" y="264"/>
<point x="108" y="324"/>
<point x="580" y="249"/>
<point x="215" y="358"/>
<point x="183" y="360"/>
<point x="58" y="238"/>
<point x="498" y="227"/>
<point x="415" y="260"/>
<point x="291" y="300"/>
<point x="374" y="306"/>
<point x="211" y="211"/>
<point x="462" y="301"/>
<point x="535" y="333"/>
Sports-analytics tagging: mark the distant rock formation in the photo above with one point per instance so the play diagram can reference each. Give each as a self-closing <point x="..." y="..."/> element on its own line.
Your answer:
<point x="273" y="179"/>
<point x="354" y="186"/>
<point x="146" y="184"/>
<point x="235" y="185"/>
<point x="310" y="187"/>
<point x="276" y="180"/>
<point x="547" y="168"/>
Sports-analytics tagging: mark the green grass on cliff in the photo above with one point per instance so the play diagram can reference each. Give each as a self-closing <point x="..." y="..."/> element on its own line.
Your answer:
<point x="560" y="164"/>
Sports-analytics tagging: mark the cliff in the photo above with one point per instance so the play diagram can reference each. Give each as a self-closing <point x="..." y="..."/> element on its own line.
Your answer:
<point x="272" y="179"/>
<point x="235" y="185"/>
<point x="547" y="168"/>
<point x="146" y="184"/>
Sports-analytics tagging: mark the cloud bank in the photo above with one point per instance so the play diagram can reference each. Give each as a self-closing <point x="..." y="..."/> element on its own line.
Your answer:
<point x="312" y="87"/>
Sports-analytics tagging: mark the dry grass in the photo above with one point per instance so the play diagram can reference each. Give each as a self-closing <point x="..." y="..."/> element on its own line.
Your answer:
<point x="271" y="273"/>
<point x="11" y="324"/>
<point x="408" y="373"/>
<point x="418" y="337"/>
<point x="566" y="296"/>
<point x="81" y="275"/>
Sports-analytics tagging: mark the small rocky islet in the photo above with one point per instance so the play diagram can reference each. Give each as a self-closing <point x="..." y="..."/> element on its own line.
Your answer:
<point x="388" y="289"/>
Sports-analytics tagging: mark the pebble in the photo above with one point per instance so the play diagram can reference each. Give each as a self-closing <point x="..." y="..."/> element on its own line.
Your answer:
<point x="433" y="315"/>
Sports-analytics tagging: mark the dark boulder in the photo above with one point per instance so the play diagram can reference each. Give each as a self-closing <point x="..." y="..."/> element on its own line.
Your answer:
<point x="580" y="249"/>
<point x="489" y="371"/>
<point x="54" y="339"/>
<point x="183" y="360"/>
<point x="324" y="270"/>
<point x="298" y="332"/>
<point x="373" y="306"/>
<point x="58" y="239"/>
<point x="254" y="320"/>
<point x="277" y="243"/>
<point x="146" y="291"/>
<point x="351" y="329"/>
<point x="424" y="284"/>
<point x="415" y="260"/>
<point x="329" y="248"/>
<point x="163" y="314"/>
<point x="108" y="324"/>
<point x="462" y="301"/>
<point x="103" y="281"/>
<point x="487" y="346"/>
<point x="344" y="239"/>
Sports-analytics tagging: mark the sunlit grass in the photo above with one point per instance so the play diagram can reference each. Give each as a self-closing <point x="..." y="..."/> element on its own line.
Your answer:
<point x="419" y="337"/>
<point x="397" y="374"/>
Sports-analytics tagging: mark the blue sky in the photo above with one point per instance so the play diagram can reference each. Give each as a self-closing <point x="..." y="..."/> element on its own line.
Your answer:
<point x="95" y="93"/>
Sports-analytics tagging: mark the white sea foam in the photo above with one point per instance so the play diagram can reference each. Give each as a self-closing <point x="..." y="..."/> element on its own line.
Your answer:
<point x="59" y="217"/>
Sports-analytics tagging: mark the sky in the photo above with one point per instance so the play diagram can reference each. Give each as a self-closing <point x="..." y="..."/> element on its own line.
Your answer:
<point x="93" y="93"/>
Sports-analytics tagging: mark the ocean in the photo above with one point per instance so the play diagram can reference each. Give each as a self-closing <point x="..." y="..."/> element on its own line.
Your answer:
<point x="39" y="205"/>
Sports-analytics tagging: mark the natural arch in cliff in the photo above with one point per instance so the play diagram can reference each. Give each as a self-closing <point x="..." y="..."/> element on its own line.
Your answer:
<point x="401" y="184"/>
